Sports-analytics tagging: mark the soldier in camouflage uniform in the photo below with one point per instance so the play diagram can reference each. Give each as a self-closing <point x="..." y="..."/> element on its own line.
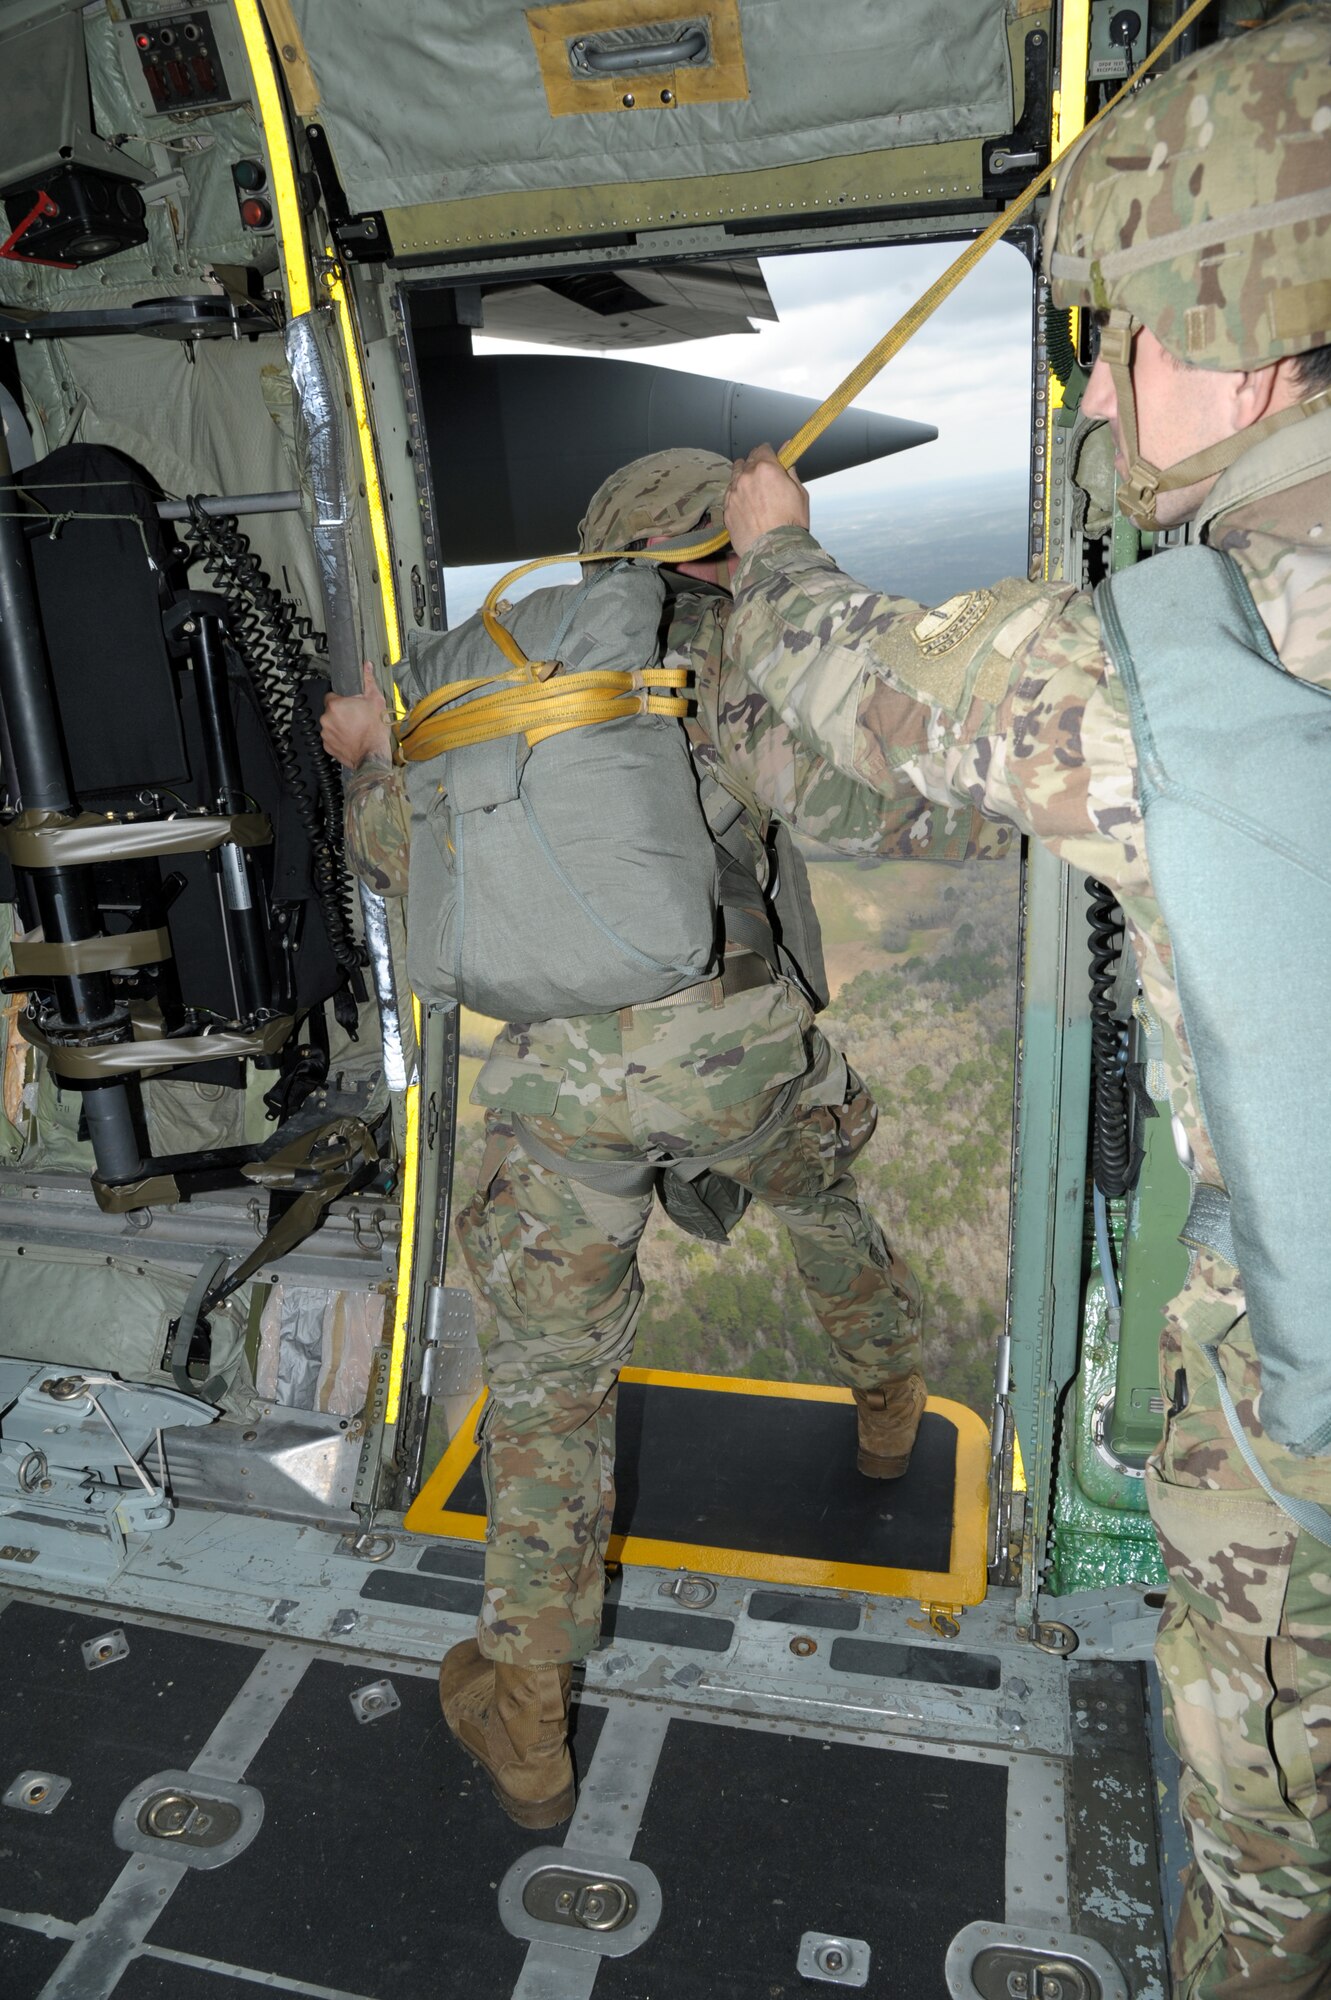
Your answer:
<point x="1196" y="223"/>
<point x="732" y="1069"/>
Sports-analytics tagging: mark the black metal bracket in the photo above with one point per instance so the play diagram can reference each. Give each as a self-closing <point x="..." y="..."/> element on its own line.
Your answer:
<point x="361" y="239"/>
<point x="201" y="317"/>
<point x="1011" y="163"/>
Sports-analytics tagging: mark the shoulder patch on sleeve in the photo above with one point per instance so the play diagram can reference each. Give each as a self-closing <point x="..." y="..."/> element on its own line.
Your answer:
<point x="940" y="630"/>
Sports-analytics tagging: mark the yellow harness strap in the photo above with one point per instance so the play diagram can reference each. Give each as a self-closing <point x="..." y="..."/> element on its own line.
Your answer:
<point x="790" y="453"/>
<point x="532" y="708"/>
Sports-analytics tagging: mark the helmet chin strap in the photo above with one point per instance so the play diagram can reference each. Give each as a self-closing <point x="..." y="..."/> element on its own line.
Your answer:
<point x="1144" y="482"/>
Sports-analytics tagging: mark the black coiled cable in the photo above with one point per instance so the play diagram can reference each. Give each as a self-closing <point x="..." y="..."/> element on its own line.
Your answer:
<point x="1060" y="348"/>
<point x="270" y="638"/>
<point x="1111" y="1160"/>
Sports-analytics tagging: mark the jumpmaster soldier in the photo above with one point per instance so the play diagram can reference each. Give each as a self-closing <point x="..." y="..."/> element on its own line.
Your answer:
<point x="582" y="1114"/>
<point x="1148" y="736"/>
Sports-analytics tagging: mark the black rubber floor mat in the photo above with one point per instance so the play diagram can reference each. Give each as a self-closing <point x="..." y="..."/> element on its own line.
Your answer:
<point x="387" y="1846"/>
<point x="769" y="1475"/>
<point x="941" y="1665"/>
<point x="27" y="1959"/>
<point x="757" y="1838"/>
<point x="104" y="1730"/>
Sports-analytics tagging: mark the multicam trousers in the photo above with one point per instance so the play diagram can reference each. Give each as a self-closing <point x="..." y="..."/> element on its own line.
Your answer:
<point x="557" y="1260"/>
<point x="1244" y="1653"/>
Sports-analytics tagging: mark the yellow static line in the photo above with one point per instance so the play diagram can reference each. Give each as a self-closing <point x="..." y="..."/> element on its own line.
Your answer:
<point x="290" y="231"/>
<point x="864" y="370"/>
<point x="963" y="1582"/>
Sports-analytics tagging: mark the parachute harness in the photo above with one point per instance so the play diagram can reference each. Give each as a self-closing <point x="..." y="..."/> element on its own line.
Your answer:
<point x="525" y="702"/>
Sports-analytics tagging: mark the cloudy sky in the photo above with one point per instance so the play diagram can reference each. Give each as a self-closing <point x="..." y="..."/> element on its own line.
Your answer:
<point x="967" y="370"/>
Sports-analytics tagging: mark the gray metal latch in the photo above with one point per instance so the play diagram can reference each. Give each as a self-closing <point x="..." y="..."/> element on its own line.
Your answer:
<point x="203" y="1822"/>
<point x="565" y="1896"/>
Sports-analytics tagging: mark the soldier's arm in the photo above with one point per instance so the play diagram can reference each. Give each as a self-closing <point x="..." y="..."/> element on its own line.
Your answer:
<point x="378" y="825"/>
<point x="740" y="736"/>
<point x="996" y="700"/>
<point x="355" y="730"/>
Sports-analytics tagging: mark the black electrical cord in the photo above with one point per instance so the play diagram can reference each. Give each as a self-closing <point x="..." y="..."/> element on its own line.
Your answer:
<point x="1112" y="1166"/>
<point x="270" y="638"/>
<point x="1060" y="348"/>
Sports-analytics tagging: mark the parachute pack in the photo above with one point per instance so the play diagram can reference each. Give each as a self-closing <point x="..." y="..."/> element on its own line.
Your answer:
<point x="573" y="874"/>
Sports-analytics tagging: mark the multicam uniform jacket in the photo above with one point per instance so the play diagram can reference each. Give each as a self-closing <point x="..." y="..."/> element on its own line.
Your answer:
<point x="1003" y="699"/>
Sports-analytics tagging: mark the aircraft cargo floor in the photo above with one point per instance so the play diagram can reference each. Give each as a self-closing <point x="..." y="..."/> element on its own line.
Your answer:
<point x="758" y="1480"/>
<point x="772" y="1777"/>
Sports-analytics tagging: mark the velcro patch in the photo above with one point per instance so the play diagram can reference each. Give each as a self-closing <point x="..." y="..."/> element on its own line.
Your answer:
<point x="1198" y="328"/>
<point x="1302" y="310"/>
<point x="940" y="631"/>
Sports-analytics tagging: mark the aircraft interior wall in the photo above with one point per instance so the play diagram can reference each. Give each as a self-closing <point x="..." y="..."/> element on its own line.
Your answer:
<point x="188" y="416"/>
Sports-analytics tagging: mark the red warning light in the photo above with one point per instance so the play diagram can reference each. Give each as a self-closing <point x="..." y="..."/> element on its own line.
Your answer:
<point x="144" y="41"/>
<point x="255" y="214"/>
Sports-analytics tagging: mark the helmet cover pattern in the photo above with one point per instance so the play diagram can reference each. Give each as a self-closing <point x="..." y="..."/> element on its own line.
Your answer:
<point x="665" y="493"/>
<point x="1201" y="206"/>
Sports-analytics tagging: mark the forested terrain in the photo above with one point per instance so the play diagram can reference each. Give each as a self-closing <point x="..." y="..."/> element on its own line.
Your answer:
<point x="923" y="966"/>
<point x="923" y="961"/>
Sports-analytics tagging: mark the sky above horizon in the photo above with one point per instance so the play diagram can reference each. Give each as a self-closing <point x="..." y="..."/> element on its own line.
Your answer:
<point x="966" y="371"/>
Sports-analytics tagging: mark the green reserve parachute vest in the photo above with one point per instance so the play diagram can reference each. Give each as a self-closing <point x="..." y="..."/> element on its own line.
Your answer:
<point x="1234" y="758"/>
<point x="576" y="876"/>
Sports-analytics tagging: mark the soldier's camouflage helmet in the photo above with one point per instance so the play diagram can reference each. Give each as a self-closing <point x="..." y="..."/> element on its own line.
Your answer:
<point x="1202" y="204"/>
<point x="1201" y="208"/>
<point x="665" y="493"/>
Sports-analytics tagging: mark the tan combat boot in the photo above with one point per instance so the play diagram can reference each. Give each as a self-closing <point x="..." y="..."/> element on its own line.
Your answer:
<point x="514" y="1722"/>
<point x="888" y="1420"/>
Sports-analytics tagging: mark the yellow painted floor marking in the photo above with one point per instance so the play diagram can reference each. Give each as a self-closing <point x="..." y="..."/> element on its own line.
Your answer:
<point x="963" y="1582"/>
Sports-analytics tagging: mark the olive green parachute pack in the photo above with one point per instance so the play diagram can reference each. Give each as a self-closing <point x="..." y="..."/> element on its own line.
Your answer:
<point x="594" y="867"/>
<point x="570" y="877"/>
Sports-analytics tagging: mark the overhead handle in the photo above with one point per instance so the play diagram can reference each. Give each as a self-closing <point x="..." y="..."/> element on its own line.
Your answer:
<point x="590" y="58"/>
